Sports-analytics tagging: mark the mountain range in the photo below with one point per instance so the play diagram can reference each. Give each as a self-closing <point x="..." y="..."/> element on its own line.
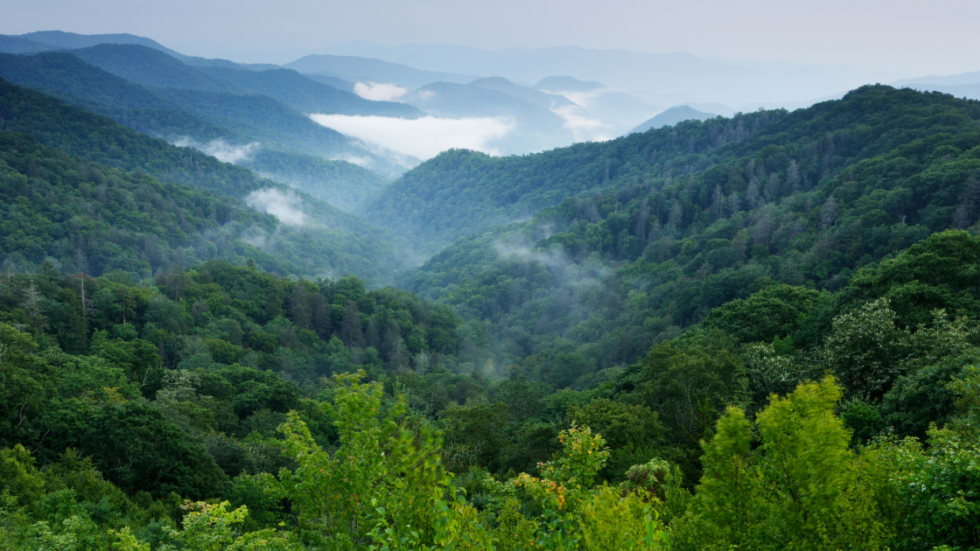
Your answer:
<point x="441" y="82"/>
<point x="714" y="332"/>
<point x="670" y="77"/>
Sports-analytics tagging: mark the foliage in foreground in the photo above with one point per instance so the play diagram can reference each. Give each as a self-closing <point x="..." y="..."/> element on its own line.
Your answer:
<point x="385" y="487"/>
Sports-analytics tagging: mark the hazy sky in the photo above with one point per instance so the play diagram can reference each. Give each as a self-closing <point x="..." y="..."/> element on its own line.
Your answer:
<point x="912" y="37"/>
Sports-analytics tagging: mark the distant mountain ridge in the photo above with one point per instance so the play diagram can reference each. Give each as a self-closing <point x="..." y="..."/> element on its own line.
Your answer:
<point x="361" y="69"/>
<point x="699" y="79"/>
<point x="970" y="91"/>
<point x="73" y="41"/>
<point x="146" y="66"/>
<point x="530" y="95"/>
<point x="18" y="45"/>
<point x="963" y="85"/>
<point x="672" y="116"/>
<point x="567" y="83"/>
<point x="948" y="80"/>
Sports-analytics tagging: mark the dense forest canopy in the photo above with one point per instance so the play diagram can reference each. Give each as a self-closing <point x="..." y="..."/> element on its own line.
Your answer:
<point x="759" y="332"/>
<point x="461" y="192"/>
<point x="265" y="116"/>
<point x="315" y="239"/>
<point x="595" y="280"/>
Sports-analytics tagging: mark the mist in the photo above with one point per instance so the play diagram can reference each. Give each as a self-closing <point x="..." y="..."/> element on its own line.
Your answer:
<point x="379" y="92"/>
<point x="286" y="207"/>
<point x="221" y="150"/>
<point x="582" y="126"/>
<point x="424" y="137"/>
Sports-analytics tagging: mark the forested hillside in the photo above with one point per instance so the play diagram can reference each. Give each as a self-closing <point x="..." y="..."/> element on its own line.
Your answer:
<point x="90" y="219"/>
<point x="99" y="139"/>
<point x="756" y="333"/>
<point x="594" y="281"/>
<point x="343" y="185"/>
<point x="460" y="192"/>
<point x="316" y="238"/>
<point x="214" y="379"/>
<point x="245" y="123"/>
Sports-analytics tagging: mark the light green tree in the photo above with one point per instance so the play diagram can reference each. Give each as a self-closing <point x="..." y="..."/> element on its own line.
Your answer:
<point x="802" y="488"/>
<point x="384" y="486"/>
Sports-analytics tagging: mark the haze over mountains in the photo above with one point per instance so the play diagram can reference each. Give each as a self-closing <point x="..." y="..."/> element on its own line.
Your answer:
<point x="401" y="104"/>
<point x="340" y="303"/>
<point x="342" y="122"/>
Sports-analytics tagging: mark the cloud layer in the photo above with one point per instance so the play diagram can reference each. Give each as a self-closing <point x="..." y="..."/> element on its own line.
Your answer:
<point x="379" y="92"/>
<point x="423" y="138"/>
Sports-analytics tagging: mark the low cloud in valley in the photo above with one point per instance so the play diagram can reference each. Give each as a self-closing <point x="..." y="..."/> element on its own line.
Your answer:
<point x="287" y="207"/>
<point x="221" y="150"/>
<point x="425" y="137"/>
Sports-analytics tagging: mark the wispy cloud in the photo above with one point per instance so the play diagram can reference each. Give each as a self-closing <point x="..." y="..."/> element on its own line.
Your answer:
<point x="379" y="92"/>
<point x="425" y="137"/>
<point x="287" y="207"/>
<point x="363" y="162"/>
<point x="582" y="126"/>
<point x="555" y="258"/>
<point x="221" y="150"/>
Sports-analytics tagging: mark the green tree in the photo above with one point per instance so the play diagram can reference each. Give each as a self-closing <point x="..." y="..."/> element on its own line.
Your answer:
<point x="386" y="471"/>
<point x="865" y="350"/>
<point x="802" y="489"/>
<point x="775" y="311"/>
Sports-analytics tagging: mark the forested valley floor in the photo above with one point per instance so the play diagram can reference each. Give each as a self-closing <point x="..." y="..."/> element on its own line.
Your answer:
<point x="760" y="332"/>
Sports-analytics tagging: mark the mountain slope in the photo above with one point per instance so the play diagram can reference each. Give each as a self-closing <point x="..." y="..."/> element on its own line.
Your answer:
<point x="153" y="68"/>
<point x="75" y="81"/>
<point x="72" y="41"/>
<point x="343" y="185"/>
<point x="101" y="140"/>
<point x="949" y="80"/>
<point x="460" y="192"/>
<point x="806" y="200"/>
<point x="617" y="109"/>
<point x="568" y="83"/>
<point x="87" y="218"/>
<point x="262" y="117"/>
<point x="94" y="220"/>
<point x="68" y="74"/>
<point x="19" y="45"/>
<point x="324" y="240"/>
<point x="971" y="91"/>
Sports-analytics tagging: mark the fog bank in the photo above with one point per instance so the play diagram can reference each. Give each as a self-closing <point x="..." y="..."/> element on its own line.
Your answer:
<point x="423" y="138"/>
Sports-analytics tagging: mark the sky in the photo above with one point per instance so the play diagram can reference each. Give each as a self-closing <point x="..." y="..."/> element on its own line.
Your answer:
<point x="911" y="37"/>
